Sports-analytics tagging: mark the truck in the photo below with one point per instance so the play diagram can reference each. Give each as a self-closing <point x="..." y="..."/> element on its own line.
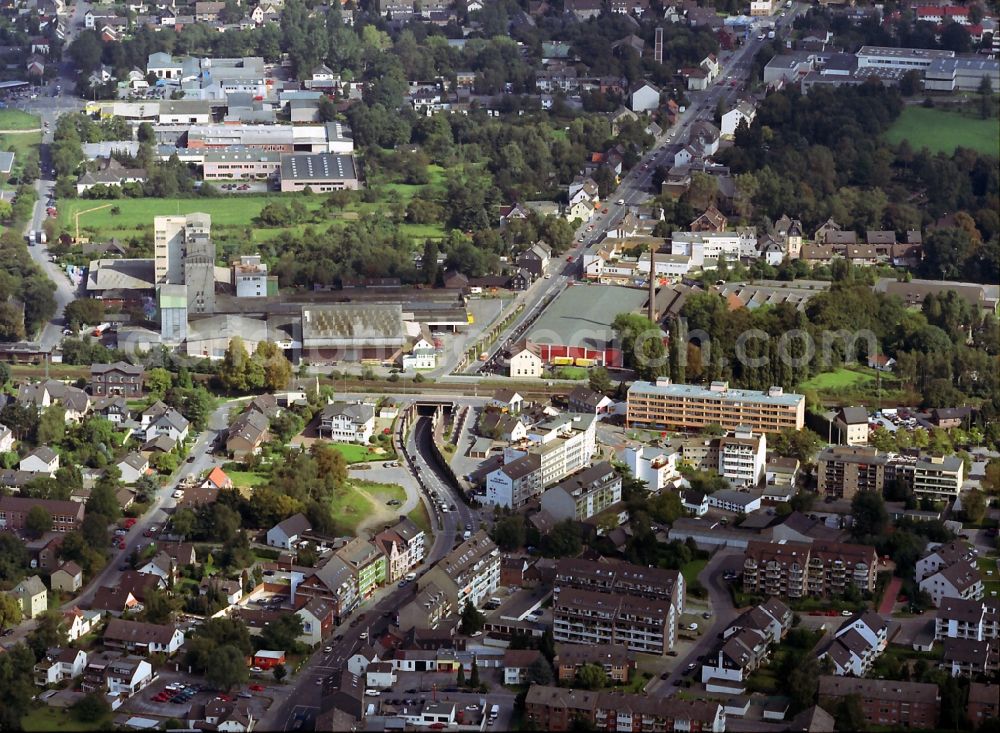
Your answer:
<point x="101" y="328"/>
<point x="494" y="712"/>
<point x="42" y="239"/>
<point x="30" y="236"/>
<point x="770" y="35"/>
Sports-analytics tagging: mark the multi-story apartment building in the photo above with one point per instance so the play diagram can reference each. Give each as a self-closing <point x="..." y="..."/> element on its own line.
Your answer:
<point x="469" y="573"/>
<point x="959" y="580"/>
<point x="620" y="577"/>
<point x="799" y="569"/>
<point x="404" y="548"/>
<point x="887" y="703"/>
<point x="844" y="470"/>
<point x="334" y="583"/>
<point x="938" y="477"/>
<point x="615" y="659"/>
<point x="943" y="555"/>
<point x="67" y="516"/>
<point x="742" y="456"/>
<point x="561" y="709"/>
<point x="119" y="378"/>
<point x="958" y="618"/>
<point x="366" y="562"/>
<point x="686" y="406"/>
<point x="656" y="466"/>
<point x="552" y="451"/>
<point x="588" y="617"/>
<point x="584" y="494"/>
<point x="348" y="422"/>
<point x="857" y="644"/>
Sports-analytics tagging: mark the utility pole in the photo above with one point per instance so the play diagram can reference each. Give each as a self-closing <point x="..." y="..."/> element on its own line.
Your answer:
<point x="651" y="308"/>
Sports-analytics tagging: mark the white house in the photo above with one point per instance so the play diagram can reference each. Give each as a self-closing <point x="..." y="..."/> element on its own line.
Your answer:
<point x="133" y="467"/>
<point x="41" y="460"/>
<point x="937" y="556"/>
<point x="734" y="501"/>
<point x="348" y="422"/>
<point x="644" y="98"/>
<point x="526" y="363"/>
<point x="80" y="623"/>
<point x="136" y="636"/>
<point x="960" y="580"/>
<point x="656" y="466"/>
<point x="6" y="439"/>
<point x="517" y="665"/>
<point x="857" y="644"/>
<point x="380" y="676"/>
<point x="422" y="355"/>
<point x="507" y="399"/>
<point x="744" y="111"/>
<point x="288" y="531"/>
<point x="59" y="665"/>
<point x="695" y="502"/>
<point x="317" y="619"/>
<point x="128" y="676"/>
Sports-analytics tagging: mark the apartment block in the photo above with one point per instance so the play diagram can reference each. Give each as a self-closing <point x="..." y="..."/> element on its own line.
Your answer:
<point x="844" y="470"/>
<point x="888" y="703"/>
<point x="584" y="494"/>
<point x="686" y="406"/>
<point x="958" y="618"/>
<point x="857" y="644"/>
<point x="656" y="466"/>
<point x="938" y="477"/>
<point x="620" y="577"/>
<point x="742" y="456"/>
<point x="67" y="516"/>
<point x="172" y="236"/>
<point x="640" y="624"/>
<point x="562" y="709"/>
<point x="614" y="659"/>
<point x="798" y="569"/>
<point x="469" y="573"/>
<point x="552" y="451"/>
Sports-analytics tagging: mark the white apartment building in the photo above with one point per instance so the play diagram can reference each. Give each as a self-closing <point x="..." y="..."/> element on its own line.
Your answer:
<point x="469" y="573"/>
<point x="515" y="483"/>
<point x="584" y="494"/>
<point x="656" y="466"/>
<point x="171" y="237"/>
<point x="938" y="477"/>
<point x="705" y="248"/>
<point x="250" y="277"/>
<point x="742" y="457"/>
<point x="958" y="618"/>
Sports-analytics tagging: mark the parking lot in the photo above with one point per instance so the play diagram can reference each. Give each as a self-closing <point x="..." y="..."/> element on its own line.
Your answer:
<point x="173" y="695"/>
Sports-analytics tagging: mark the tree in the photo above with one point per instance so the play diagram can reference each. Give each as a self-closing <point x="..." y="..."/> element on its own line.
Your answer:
<point x="540" y="672"/>
<point x="38" y="521"/>
<point x="509" y="532"/>
<point x="848" y="714"/>
<point x="472" y="619"/>
<point x="52" y="425"/>
<point x="4" y="374"/>
<point x="641" y="344"/>
<point x="563" y="541"/>
<point x="84" y="312"/>
<point x="158" y="381"/>
<point x="973" y="505"/>
<point x="802" y="681"/>
<point x="49" y="632"/>
<point x="228" y="668"/>
<point x="10" y="611"/>
<point x="870" y="516"/>
<point x="277" y="369"/>
<point x="282" y="633"/>
<point x="428" y="262"/>
<point x="460" y="677"/>
<point x="279" y="672"/>
<point x="474" y="676"/>
<point x="600" y="380"/>
<point x="591" y="677"/>
<point x="92" y="708"/>
<point x="103" y="501"/>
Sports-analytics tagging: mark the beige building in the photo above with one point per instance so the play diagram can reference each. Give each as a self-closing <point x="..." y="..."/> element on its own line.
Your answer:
<point x="172" y="235"/>
<point x="938" y="477"/>
<point x="526" y="363"/>
<point x="688" y="406"/>
<point x="799" y="569"/>
<point x="843" y="471"/>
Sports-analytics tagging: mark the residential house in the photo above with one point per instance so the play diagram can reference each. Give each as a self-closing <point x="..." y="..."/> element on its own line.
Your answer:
<point x="318" y="621"/>
<point x="983" y="703"/>
<point x="6" y="439"/>
<point x="518" y="664"/>
<point x="128" y="675"/>
<point x="32" y="595"/>
<point x="587" y="401"/>
<point x="161" y="421"/>
<point x="161" y="565"/>
<point x="743" y="112"/>
<point x="742" y="456"/>
<point x="41" y="460"/>
<point x="367" y="564"/>
<point x="403" y="545"/>
<point x="247" y="434"/>
<point x="67" y="578"/>
<point x="217" y="479"/>
<point x="644" y="98"/>
<point x="110" y="173"/>
<point x="133" y="467"/>
<point x="959" y="580"/>
<point x="525" y="362"/>
<point x="711" y="220"/>
<point x="739" y="656"/>
<point x="60" y="665"/>
<point x="969" y="658"/>
<point x="889" y="703"/>
<point x="852" y="425"/>
<point x="118" y="379"/>
<point x="113" y="409"/>
<point x="507" y="400"/>
<point x="695" y="502"/>
<point x="958" y="618"/>
<point x="348" y="422"/>
<point x="144" y="638"/>
<point x="857" y="644"/>
<point x="585" y="494"/>
<point x="288" y="531"/>
<point x="535" y="259"/>
<point x="501" y="426"/>
<point x="80" y="623"/>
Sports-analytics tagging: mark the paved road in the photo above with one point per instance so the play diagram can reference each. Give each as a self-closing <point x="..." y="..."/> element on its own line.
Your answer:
<point x="723" y="614"/>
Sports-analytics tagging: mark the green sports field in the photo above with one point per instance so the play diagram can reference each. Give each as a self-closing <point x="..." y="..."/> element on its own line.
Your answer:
<point x="137" y="213"/>
<point x="942" y="131"/>
<point x="15" y="119"/>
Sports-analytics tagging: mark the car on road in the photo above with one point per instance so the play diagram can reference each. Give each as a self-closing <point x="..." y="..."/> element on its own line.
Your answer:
<point x="372" y="693"/>
<point x="338" y="637"/>
<point x="410" y="576"/>
<point x="692" y="627"/>
<point x="327" y="649"/>
<point x="677" y="683"/>
<point x="257" y="688"/>
<point x="665" y="675"/>
<point x="363" y="635"/>
<point x="845" y="612"/>
<point x="706" y="615"/>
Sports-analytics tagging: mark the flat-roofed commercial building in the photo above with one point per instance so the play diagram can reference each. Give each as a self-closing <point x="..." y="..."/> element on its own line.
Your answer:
<point x="688" y="406"/>
<point x="887" y="57"/>
<point x="320" y="172"/>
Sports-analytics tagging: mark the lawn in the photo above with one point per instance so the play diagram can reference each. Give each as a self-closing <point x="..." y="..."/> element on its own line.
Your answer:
<point x="364" y="502"/>
<point x="247" y="479"/>
<point x="842" y="378"/>
<point x="44" y="718"/>
<point x="990" y="571"/>
<point x="354" y="453"/>
<point x="942" y="131"/>
<point x="21" y="143"/>
<point x="691" y="570"/>
<point x="15" y="119"/>
<point x="136" y="213"/>
<point x="420" y="517"/>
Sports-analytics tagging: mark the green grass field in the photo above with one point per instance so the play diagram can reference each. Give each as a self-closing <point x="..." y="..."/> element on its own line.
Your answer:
<point x="421" y="518"/>
<point x="691" y="570"/>
<point x="15" y="119"/>
<point x="361" y="501"/>
<point x="360" y="453"/>
<point x="943" y="131"/>
<point x="838" y="379"/>
<point x="20" y="143"/>
<point x="247" y="479"/>
<point x="137" y="213"/>
<point x="44" y="718"/>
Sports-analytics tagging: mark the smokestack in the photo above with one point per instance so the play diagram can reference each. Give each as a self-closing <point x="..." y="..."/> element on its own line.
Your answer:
<point x="652" y="284"/>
